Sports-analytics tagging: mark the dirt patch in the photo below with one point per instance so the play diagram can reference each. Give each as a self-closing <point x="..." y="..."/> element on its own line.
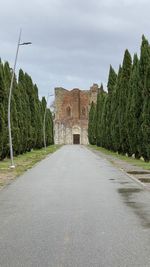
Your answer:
<point x="5" y="179"/>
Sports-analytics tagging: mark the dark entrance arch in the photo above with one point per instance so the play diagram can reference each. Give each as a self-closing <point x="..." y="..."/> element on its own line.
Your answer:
<point x="76" y="139"/>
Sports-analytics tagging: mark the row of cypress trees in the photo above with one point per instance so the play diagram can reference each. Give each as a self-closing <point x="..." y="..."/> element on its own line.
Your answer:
<point x="27" y="113"/>
<point x="120" y="121"/>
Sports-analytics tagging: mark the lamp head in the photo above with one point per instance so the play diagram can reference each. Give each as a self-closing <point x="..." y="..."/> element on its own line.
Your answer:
<point x="26" y="43"/>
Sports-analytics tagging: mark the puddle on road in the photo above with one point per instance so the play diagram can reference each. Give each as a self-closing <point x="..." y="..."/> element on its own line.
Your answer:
<point x="123" y="182"/>
<point x="129" y="195"/>
<point x="129" y="191"/>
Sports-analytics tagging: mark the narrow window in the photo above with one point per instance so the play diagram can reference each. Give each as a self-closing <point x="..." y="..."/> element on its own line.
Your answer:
<point x="68" y="111"/>
<point x="83" y="112"/>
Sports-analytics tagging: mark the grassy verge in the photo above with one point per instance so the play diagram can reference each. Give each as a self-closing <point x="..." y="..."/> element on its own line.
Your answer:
<point x="23" y="163"/>
<point x="135" y="162"/>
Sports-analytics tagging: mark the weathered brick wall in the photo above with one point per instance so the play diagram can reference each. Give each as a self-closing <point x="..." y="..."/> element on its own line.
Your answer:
<point x="71" y="113"/>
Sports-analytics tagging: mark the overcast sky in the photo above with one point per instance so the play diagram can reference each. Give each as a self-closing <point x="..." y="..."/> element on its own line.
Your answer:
<point x="74" y="41"/>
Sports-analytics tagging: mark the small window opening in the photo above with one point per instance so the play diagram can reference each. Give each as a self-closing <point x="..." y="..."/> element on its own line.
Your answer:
<point x="68" y="110"/>
<point x="83" y="111"/>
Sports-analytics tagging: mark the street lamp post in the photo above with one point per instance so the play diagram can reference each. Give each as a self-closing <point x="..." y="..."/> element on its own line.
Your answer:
<point x="9" y="99"/>
<point x="44" y="134"/>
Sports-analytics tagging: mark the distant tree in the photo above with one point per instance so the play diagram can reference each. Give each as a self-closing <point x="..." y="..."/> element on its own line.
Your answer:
<point x="92" y="125"/>
<point x="49" y="128"/>
<point x="104" y="122"/>
<point x="99" y="114"/>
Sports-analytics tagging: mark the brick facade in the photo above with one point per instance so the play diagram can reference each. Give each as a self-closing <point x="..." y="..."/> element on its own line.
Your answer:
<point x="71" y="114"/>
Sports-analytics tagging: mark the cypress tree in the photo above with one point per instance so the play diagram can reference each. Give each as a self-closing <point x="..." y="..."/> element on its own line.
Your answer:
<point x="26" y="114"/>
<point x="49" y="128"/>
<point x="14" y="119"/>
<point x="133" y="109"/>
<point x="112" y="78"/>
<point x="48" y="123"/>
<point x="123" y="98"/>
<point x="2" y="132"/>
<point x="32" y="104"/>
<point x="143" y="69"/>
<point x="19" y="99"/>
<point x="144" y="60"/>
<point x="25" y="120"/>
<point x="2" y="115"/>
<point x="39" y="124"/>
<point x="104" y="125"/>
<point x="146" y="117"/>
<point x="92" y="125"/>
<point x="43" y="105"/>
<point x="6" y="78"/>
<point x="114" y="126"/>
<point x="99" y="113"/>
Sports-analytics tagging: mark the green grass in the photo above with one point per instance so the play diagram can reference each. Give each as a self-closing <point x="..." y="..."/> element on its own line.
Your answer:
<point x="136" y="162"/>
<point x="23" y="163"/>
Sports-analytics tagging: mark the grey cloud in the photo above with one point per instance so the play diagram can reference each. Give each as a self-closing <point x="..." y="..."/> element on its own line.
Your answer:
<point x="74" y="41"/>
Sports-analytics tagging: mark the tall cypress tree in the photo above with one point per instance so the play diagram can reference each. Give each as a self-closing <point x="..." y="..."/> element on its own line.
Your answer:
<point x="92" y="125"/>
<point x="123" y="98"/>
<point x="146" y="117"/>
<point x="6" y="74"/>
<point x="104" y="123"/>
<point x="144" y="60"/>
<point x="133" y="109"/>
<point x="143" y="69"/>
<point x="32" y="104"/>
<point x="16" y="137"/>
<point x="25" y="122"/>
<point x="99" y="113"/>
<point x="114" y="126"/>
<point x="112" y="78"/>
<point x="26" y="114"/>
<point x="49" y="128"/>
<point x="2" y="115"/>
<point x="39" y="123"/>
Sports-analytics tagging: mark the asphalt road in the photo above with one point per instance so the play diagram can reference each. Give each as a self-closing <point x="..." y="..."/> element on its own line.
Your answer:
<point x="74" y="209"/>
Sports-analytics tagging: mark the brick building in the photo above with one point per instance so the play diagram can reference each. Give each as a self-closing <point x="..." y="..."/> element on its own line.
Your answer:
<point x="71" y="114"/>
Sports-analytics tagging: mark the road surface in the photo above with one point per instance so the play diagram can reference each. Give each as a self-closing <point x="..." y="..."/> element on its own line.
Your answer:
<point x="74" y="209"/>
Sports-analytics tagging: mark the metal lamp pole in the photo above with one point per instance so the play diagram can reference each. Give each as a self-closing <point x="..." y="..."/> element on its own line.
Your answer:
<point x="44" y="135"/>
<point x="9" y="100"/>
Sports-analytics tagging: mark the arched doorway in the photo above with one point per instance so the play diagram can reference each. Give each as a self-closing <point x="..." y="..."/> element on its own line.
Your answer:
<point x="76" y="139"/>
<point x="76" y="130"/>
